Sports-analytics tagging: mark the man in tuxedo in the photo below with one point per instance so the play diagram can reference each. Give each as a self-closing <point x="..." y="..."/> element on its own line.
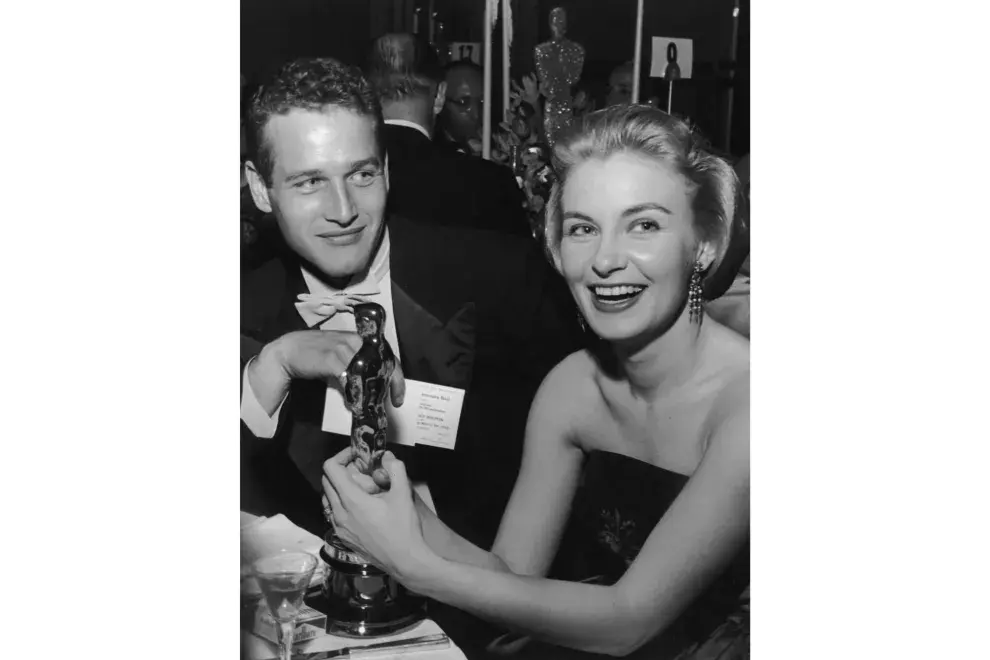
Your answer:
<point x="461" y="120"/>
<point x="429" y="183"/>
<point x="479" y="311"/>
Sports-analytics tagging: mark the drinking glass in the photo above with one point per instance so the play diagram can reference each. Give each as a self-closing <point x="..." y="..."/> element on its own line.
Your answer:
<point x="284" y="578"/>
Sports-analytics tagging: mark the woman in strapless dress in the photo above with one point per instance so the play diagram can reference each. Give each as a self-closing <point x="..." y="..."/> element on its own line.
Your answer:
<point x="627" y="533"/>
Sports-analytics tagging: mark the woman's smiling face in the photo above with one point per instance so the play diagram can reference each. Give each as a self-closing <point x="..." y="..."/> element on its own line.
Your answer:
<point x="628" y="244"/>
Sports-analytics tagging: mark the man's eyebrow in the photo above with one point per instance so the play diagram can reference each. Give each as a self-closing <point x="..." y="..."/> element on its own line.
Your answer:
<point x="373" y="161"/>
<point x="305" y="174"/>
<point x="646" y="206"/>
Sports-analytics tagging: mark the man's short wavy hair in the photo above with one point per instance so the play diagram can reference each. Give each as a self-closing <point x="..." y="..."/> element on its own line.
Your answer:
<point x="313" y="84"/>
<point x="401" y="65"/>
<point x="717" y="199"/>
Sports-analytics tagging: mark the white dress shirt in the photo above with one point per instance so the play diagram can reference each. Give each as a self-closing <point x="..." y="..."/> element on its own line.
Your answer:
<point x="408" y="124"/>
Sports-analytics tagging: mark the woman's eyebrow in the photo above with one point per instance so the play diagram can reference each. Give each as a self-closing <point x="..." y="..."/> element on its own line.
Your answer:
<point x="646" y="206"/>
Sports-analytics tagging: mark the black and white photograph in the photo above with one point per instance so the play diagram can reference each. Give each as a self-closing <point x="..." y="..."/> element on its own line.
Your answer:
<point x="505" y="387"/>
<point x="495" y="330"/>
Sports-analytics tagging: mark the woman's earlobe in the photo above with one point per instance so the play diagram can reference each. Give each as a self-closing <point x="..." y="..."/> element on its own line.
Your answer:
<point x="706" y="255"/>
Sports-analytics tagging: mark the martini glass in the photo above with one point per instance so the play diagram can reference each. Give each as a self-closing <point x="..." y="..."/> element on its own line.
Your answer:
<point x="284" y="578"/>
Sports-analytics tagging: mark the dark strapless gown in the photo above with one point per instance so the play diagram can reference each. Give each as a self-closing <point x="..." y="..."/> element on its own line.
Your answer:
<point x="619" y="502"/>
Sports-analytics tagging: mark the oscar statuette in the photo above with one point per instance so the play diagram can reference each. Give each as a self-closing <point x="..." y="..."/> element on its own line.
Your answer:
<point x="363" y="600"/>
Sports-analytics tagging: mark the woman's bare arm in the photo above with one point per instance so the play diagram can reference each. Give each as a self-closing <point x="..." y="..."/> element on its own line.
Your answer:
<point x="450" y="545"/>
<point x="696" y="538"/>
<point x="537" y="511"/>
<point x="541" y="500"/>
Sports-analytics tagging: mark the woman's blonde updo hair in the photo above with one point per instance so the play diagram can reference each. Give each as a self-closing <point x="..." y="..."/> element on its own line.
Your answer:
<point x="642" y="129"/>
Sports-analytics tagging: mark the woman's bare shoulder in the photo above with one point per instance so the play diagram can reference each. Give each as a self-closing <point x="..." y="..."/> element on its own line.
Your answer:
<point x="574" y="375"/>
<point x="564" y="401"/>
<point x="726" y="358"/>
<point x="730" y="407"/>
<point x="571" y="385"/>
<point x="733" y="399"/>
<point x="731" y="348"/>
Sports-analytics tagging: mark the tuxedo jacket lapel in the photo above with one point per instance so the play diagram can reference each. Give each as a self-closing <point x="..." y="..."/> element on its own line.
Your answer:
<point x="287" y="319"/>
<point x="268" y="300"/>
<point x="432" y="351"/>
<point x="436" y="328"/>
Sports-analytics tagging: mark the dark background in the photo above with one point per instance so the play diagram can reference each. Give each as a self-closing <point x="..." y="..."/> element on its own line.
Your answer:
<point x="273" y="31"/>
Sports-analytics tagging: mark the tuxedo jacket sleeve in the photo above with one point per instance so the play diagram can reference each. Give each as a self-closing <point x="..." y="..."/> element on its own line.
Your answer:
<point x="271" y="483"/>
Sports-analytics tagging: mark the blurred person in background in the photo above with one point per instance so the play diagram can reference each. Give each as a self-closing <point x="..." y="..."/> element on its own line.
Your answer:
<point x="620" y="87"/>
<point x="461" y="118"/>
<point x="428" y="183"/>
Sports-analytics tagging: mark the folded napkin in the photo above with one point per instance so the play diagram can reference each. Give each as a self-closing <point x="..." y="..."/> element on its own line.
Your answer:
<point x="248" y="519"/>
<point x="265" y="536"/>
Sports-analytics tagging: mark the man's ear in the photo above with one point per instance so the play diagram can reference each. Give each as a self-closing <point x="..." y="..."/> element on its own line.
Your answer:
<point x="440" y="98"/>
<point x="386" y="171"/>
<point x="259" y="191"/>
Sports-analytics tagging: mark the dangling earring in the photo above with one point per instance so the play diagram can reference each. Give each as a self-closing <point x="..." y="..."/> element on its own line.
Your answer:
<point x="582" y="322"/>
<point x="694" y="294"/>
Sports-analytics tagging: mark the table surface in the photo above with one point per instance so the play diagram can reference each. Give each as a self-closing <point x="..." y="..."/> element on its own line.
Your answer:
<point x="467" y="638"/>
<point x="256" y="648"/>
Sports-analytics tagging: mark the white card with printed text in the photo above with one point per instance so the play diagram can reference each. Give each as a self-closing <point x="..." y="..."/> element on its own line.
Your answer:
<point x="430" y="415"/>
<point x="336" y="416"/>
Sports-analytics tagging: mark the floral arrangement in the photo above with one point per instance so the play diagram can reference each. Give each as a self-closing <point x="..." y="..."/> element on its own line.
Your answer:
<point x="521" y="145"/>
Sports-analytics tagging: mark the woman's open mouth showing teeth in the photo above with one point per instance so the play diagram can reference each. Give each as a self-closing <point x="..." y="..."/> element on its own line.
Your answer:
<point x="615" y="298"/>
<point x="616" y="293"/>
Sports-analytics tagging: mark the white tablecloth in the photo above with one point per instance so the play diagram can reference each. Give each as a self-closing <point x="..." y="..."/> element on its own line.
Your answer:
<point x="262" y="535"/>
<point x="256" y="648"/>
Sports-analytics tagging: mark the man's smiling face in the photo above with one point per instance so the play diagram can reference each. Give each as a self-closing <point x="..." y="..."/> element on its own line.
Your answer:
<point x="328" y="187"/>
